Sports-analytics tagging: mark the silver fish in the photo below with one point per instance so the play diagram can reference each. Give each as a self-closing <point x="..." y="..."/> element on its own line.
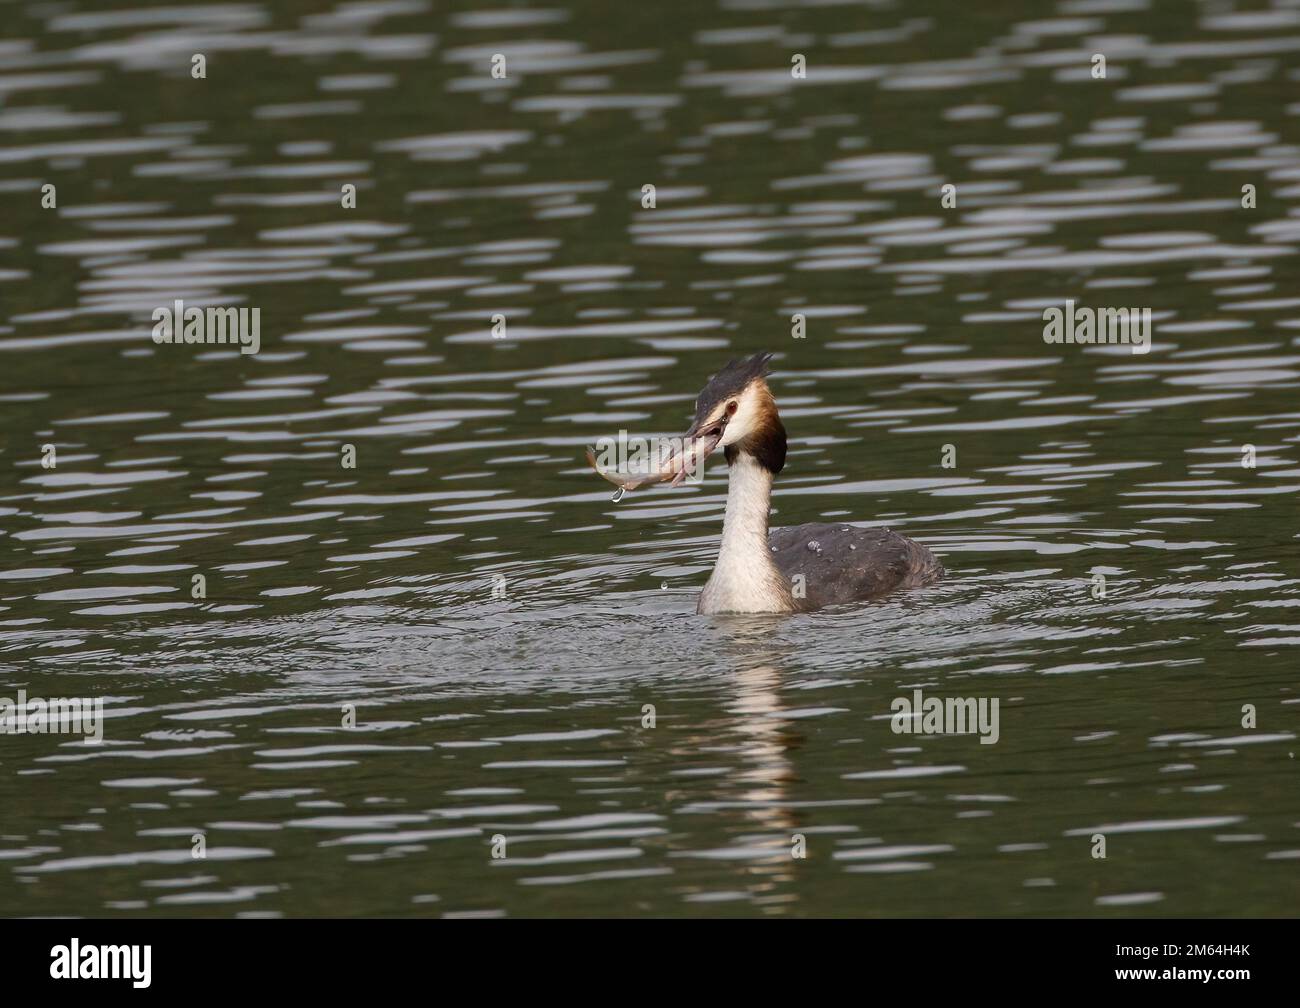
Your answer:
<point x="628" y="481"/>
<point x="676" y="468"/>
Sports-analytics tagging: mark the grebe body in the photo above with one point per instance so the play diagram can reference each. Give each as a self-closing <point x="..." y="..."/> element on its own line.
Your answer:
<point x="781" y="570"/>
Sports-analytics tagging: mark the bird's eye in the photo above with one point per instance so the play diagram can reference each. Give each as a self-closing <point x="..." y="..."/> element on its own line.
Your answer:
<point x="731" y="407"/>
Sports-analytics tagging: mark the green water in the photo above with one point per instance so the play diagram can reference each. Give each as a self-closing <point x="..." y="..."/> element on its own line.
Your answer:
<point x="460" y="648"/>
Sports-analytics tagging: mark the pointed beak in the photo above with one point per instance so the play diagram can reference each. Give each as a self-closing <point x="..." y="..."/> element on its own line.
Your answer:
<point x="697" y="444"/>
<point x="684" y="461"/>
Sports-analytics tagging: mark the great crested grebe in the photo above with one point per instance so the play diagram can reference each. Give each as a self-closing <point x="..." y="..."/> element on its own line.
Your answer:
<point x="781" y="570"/>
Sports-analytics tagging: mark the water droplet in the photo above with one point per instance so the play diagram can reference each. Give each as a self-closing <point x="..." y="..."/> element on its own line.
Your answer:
<point x="618" y="495"/>
<point x="663" y="586"/>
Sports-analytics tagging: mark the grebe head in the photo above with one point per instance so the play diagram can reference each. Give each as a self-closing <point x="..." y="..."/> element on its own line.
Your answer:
<point x="736" y="411"/>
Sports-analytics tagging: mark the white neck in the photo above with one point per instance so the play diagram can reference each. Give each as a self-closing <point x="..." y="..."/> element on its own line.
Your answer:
<point x="745" y="579"/>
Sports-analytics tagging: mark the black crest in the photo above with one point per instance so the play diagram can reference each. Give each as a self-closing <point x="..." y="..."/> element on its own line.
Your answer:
<point x="767" y="444"/>
<point x="730" y="381"/>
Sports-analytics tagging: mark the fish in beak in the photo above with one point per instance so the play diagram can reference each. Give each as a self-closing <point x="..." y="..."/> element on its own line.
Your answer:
<point x="737" y="396"/>
<point x="686" y="460"/>
<point x="697" y="444"/>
